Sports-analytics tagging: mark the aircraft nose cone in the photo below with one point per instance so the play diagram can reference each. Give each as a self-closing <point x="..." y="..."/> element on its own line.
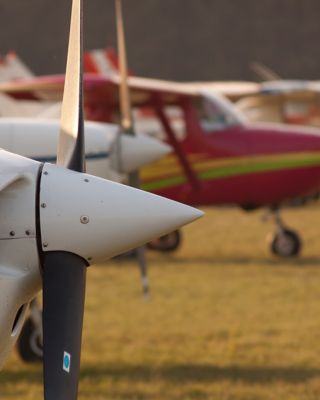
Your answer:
<point x="134" y="152"/>
<point x="98" y="219"/>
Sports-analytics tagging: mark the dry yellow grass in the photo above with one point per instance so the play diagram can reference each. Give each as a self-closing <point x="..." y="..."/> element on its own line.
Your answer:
<point x="226" y="320"/>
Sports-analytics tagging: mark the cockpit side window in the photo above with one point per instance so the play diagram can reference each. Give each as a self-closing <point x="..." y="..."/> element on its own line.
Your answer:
<point x="215" y="114"/>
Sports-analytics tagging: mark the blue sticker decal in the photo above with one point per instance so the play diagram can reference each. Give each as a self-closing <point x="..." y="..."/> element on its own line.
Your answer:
<point x="66" y="361"/>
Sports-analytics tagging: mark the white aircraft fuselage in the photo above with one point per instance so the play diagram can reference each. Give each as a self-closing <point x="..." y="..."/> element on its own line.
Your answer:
<point x="109" y="154"/>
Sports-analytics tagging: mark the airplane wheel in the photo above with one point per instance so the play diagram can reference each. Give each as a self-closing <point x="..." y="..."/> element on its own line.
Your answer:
<point x="29" y="344"/>
<point x="286" y="243"/>
<point x="166" y="243"/>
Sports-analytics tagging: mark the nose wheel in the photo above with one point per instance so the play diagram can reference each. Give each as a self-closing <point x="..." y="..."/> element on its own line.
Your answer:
<point x="166" y="243"/>
<point x="29" y="345"/>
<point x="285" y="242"/>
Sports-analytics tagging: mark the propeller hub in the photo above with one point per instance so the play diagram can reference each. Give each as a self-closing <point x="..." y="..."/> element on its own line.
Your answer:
<point x="99" y="219"/>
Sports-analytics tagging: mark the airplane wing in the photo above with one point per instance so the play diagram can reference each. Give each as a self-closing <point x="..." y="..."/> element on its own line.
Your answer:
<point x="105" y="61"/>
<point x="100" y="88"/>
<point x="38" y="88"/>
<point x="10" y="107"/>
<point x="234" y="90"/>
<point x="102" y="80"/>
<point x="101" y="92"/>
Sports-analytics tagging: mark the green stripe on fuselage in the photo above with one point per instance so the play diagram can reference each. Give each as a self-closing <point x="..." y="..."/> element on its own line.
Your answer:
<point x="164" y="183"/>
<point x="228" y="171"/>
<point x="266" y="166"/>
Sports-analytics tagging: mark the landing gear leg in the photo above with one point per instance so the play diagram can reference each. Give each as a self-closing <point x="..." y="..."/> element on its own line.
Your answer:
<point x="285" y="242"/>
<point x="30" y="342"/>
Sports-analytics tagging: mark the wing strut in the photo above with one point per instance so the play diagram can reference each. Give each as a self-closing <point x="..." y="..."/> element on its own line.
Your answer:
<point x="190" y="173"/>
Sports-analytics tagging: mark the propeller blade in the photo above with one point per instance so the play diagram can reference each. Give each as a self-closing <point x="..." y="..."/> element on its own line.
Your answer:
<point x="64" y="277"/>
<point x="71" y="139"/>
<point x="125" y="102"/>
<point x="128" y="126"/>
<point x="64" y="273"/>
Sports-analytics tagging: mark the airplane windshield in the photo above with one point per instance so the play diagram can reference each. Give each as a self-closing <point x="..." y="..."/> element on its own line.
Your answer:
<point x="217" y="113"/>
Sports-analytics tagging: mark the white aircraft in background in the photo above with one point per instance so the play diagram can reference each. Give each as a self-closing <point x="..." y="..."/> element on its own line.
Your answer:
<point x="109" y="154"/>
<point x="30" y="128"/>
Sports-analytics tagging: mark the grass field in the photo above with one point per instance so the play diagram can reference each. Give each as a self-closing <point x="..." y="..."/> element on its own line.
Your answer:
<point x="226" y="320"/>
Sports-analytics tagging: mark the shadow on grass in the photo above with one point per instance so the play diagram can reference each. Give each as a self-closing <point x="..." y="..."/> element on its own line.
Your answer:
<point x="203" y="373"/>
<point x="234" y="261"/>
<point x="23" y="375"/>
<point x="178" y="373"/>
<point x="172" y="259"/>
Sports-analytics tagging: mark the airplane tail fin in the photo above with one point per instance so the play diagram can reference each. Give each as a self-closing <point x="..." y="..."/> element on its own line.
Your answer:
<point x="263" y="72"/>
<point x="101" y="61"/>
<point x="12" y="68"/>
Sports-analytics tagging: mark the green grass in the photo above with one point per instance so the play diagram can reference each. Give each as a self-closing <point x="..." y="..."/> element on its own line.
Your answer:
<point x="226" y="320"/>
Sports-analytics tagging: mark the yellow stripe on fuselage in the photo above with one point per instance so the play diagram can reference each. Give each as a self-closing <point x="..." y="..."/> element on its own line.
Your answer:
<point x="206" y="165"/>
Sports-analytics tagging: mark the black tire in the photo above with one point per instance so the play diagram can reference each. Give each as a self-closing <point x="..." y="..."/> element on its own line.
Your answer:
<point x="286" y="244"/>
<point x="29" y="346"/>
<point x="166" y="243"/>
